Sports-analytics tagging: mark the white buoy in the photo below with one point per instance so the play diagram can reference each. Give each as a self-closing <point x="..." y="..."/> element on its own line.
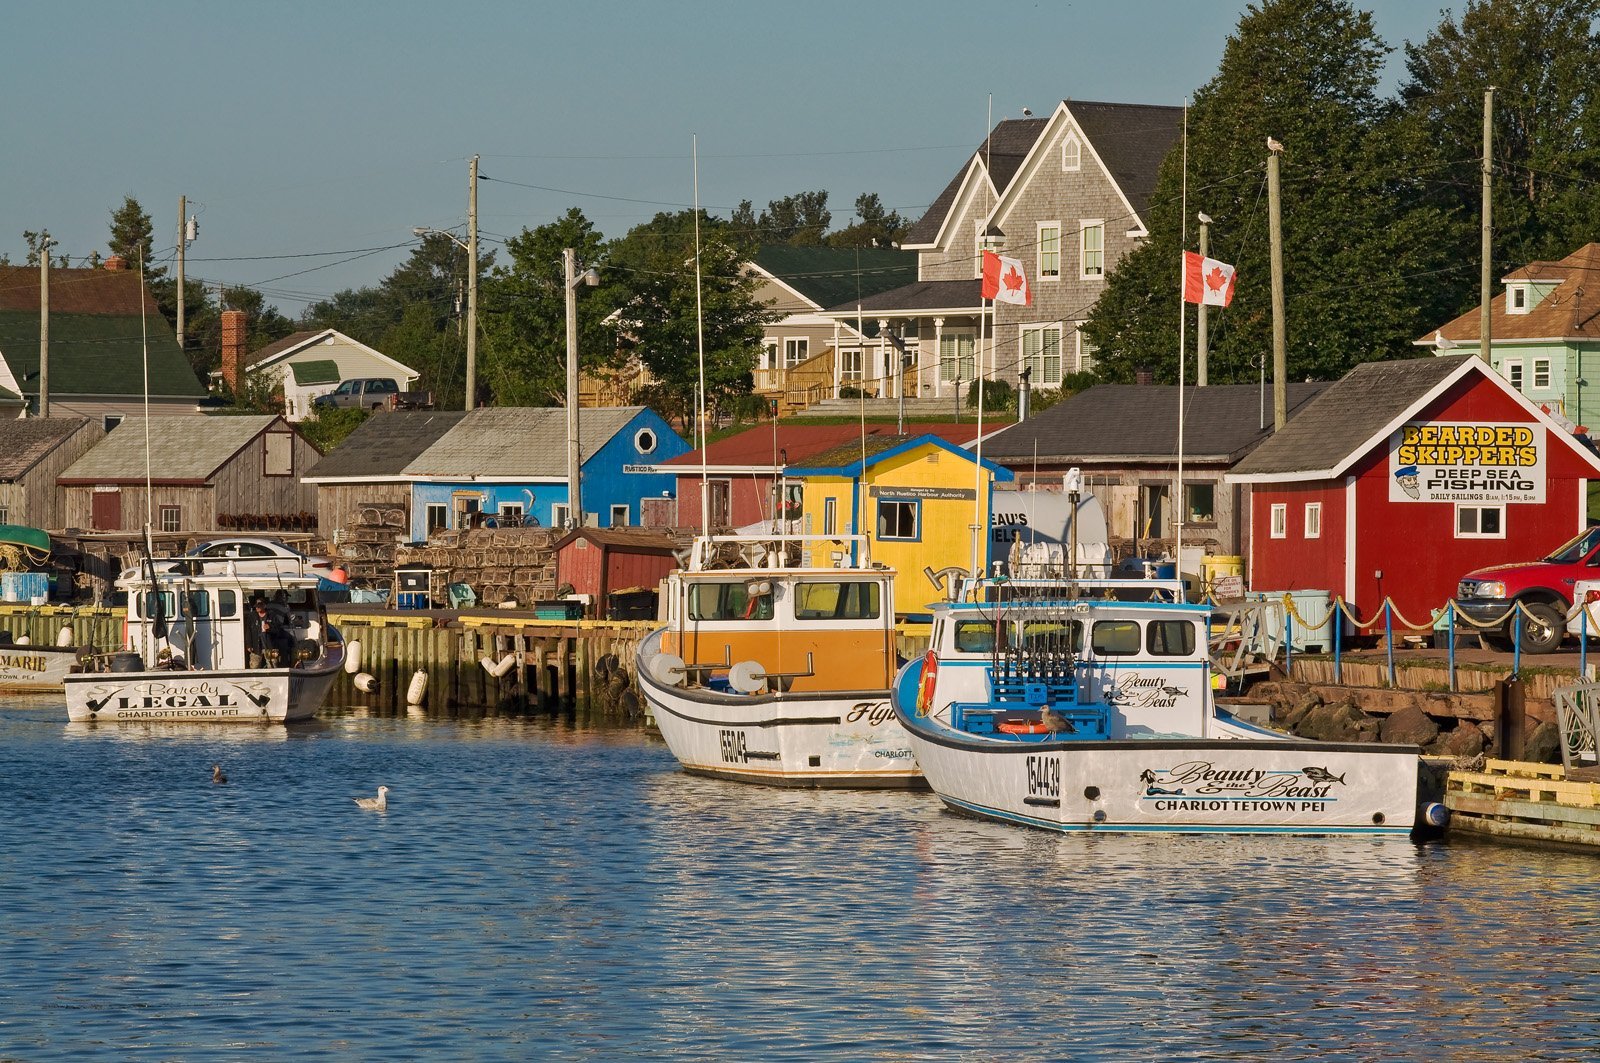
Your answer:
<point x="22" y="640"/>
<point x="65" y="636"/>
<point x="365" y="683"/>
<point x="352" y="656"/>
<point x="418" y="687"/>
<point x="500" y="667"/>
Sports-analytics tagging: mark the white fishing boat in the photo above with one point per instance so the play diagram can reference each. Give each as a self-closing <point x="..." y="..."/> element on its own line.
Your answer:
<point x="24" y="667"/>
<point x="1051" y="705"/>
<point x="776" y="670"/>
<point x="189" y="653"/>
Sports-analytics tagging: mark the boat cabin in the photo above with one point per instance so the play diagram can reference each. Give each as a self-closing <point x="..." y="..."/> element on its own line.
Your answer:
<point x="1103" y="669"/>
<point x="777" y="626"/>
<point x="199" y="622"/>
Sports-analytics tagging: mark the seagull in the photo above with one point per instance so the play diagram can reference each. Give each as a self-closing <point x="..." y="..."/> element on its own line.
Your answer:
<point x="216" y="774"/>
<point x="1274" y="147"/>
<point x="1054" y="722"/>
<point x="376" y="804"/>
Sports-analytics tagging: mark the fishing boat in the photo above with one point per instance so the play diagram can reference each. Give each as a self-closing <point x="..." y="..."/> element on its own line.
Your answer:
<point x="25" y="667"/>
<point x="188" y="653"/>
<point x="1050" y="704"/>
<point x="775" y="662"/>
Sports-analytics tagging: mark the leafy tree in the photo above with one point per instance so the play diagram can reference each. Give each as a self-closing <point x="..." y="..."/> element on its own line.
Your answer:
<point x="35" y="242"/>
<point x="328" y="426"/>
<point x="1541" y="55"/>
<point x="875" y="226"/>
<point x="655" y="266"/>
<point x="525" y="329"/>
<point x="131" y="237"/>
<point x="1359" y="253"/>
<point x="801" y="219"/>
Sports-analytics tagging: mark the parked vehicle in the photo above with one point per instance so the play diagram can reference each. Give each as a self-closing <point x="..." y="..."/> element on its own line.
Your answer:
<point x="366" y="393"/>
<point x="411" y="400"/>
<point x="1544" y="588"/>
<point x="250" y="556"/>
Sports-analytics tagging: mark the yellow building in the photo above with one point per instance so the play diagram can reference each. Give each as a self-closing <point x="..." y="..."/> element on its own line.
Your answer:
<point x="916" y="498"/>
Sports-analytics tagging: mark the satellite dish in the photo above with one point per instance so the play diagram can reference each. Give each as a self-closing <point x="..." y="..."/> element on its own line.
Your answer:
<point x="667" y="669"/>
<point x="748" y="677"/>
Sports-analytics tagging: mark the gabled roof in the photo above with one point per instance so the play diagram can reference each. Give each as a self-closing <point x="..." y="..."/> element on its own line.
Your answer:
<point x="1132" y="139"/>
<point x="183" y="449"/>
<point x="851" y="459"/>
<point x="384" y="444"/>
<point x="999" y="156"/>
<point x="964" y="295"/>
<point x="1570" y="312"/>
<point x="637" y="540"/>
<point x="299" y="342"/>
<point x="77" y="291"/>
<point x="1353" y="415"/>
<point x="1139" y="422"/>
<point x="517" y="442"/>
<point x="24" y="442"/>
<point x="755" y="449"/>
<point x="824" y="276"/>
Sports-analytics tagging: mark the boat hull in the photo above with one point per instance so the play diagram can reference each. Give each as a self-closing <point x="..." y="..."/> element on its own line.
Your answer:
<point x="1169" y="785"/>
<point x="35" y="667"/>
<point x="846" y="739"/>
<point x="263" y="695"/>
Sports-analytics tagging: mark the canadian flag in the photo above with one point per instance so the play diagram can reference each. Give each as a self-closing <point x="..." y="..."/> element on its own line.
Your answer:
<point x="1004" y="281"/>
<point x="1205" y="280"/>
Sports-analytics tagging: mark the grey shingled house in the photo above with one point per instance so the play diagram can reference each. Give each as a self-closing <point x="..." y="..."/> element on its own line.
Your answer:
<point x="1124" y="438"/>
<point x="368" y="468"/>
<point x="33" y="452"/>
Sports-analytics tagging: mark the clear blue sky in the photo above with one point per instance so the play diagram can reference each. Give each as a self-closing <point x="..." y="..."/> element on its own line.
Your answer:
<point x="326" y="126"/>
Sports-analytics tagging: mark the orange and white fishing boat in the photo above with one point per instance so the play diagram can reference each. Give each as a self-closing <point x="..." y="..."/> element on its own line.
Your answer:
<point x="775" y="664"/>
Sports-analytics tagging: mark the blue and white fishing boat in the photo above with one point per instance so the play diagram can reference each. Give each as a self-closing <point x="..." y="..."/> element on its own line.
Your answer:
<point x="1050" y="704"/>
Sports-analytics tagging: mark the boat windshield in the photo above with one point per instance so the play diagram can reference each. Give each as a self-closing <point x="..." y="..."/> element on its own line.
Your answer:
<point x="728" y="601"/>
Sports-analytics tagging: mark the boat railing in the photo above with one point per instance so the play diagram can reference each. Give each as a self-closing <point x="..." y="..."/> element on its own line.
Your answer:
<point x="772" y="550"/>
<point x="1001" y="589"/>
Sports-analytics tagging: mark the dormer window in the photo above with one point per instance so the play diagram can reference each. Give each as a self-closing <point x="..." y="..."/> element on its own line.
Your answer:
<point x="1071" y="153"/>
<point x="1517" y="299"/>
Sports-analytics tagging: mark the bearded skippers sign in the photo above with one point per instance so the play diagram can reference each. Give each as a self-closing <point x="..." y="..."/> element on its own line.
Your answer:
<point x="1453" y="461"/>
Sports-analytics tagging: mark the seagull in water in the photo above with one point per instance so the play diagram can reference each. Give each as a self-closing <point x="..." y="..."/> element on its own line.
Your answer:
<point x="216" y="774"/>
<point x="377" y="804"/>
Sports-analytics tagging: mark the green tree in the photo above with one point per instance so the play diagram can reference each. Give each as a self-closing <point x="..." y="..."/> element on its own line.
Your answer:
<point x="875" y="225"/>
<point x="525" y="328"/>
<point x="1542" y="55"/>
<point x="655" y="263"/>
<point x="131" y="237"/>
<point x="801" y="219"/>
<point x="1360" y="259"/>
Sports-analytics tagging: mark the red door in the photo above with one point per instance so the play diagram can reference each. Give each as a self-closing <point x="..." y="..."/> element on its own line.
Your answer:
<point x="106" y="511"/>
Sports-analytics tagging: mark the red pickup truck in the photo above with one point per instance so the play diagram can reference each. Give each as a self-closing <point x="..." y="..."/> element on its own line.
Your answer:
<point x="1544" y="587"/>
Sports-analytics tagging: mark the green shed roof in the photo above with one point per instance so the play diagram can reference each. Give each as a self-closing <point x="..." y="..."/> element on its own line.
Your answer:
<point x="97" y="354"/>
<point x="317" y="371"/>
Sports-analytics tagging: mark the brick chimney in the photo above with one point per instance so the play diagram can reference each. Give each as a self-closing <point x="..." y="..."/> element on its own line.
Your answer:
<point x="114" y="264"/>
<point x="1144" y="377"/>
<point x="232" y="348"/>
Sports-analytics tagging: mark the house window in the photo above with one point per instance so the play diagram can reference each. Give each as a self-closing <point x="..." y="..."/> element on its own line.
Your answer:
<point x="111" y="420"/>
<point x="559" y="514"/>
<point x="1199" y="503"/>
<point x="899" y="518"/>
<point x="1041" y="352"/>
<point x="830" y="516"/>
<point x="1541" y="374"/>
<point x="644" y="441"/>
<point x="769" y="354"/>
<point x="437" y="516"/>
<point x="1313" y="520"/>
<point x="1517" y="299"/>
<point x="795" y="351"/>
<point x="1280" y="520"/>
<point x="1071" y="154"/>
<point x="1086" y="353"/>
<point x="619" y="516"/>
<point x="1513" y="371"/>
<point x="171" y="518"/>
<point x="850" y="363"/>
<point x="956" y="356"/>
<point x="1094" y="249"/>
<point x="279" y="454"/>
<point x="1480" y="522"/>
<point x="1049" y="249"/>
<point x="5" y="515"/>
<point x="511" y="514"/>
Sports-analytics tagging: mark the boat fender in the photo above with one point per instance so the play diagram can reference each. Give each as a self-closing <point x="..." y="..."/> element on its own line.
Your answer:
<point x="418" y="687"/>
<point x="1435" y="814"/>
<point x="748" y="677"/>
<point x="365" y="683"/>
<point x="500" y="667"/>
<point x="352" y="656"/>
<point x="667" y="669"/>
<point x="65" y="636"/>
<point x="22" y="640"/>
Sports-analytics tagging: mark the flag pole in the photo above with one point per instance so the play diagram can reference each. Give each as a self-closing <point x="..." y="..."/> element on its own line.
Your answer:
<point x="1183" y="317"/>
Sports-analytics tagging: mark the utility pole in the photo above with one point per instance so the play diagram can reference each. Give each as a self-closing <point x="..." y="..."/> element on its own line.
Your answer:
<point x="1200" y="314"/>
<point x="569" y="270"/>
<point x="183" y="233"/>
<point x="44" y="324"/>
<point x="472" y="284"/>
<point x="1485" y="286"/>
<point x="1280" y="337"/>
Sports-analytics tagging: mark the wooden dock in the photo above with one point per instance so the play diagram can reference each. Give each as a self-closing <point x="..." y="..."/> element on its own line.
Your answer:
<point x="1533" y="802"/>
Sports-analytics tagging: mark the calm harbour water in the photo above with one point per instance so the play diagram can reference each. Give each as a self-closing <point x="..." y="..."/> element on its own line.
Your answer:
<point x="538" y="890"/>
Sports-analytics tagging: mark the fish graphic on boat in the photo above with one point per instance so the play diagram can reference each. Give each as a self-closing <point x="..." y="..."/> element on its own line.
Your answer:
<point x="1322" y="775"/>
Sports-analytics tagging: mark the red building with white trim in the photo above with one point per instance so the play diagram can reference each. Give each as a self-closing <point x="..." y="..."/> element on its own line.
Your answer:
<point x="1404" y="476"/>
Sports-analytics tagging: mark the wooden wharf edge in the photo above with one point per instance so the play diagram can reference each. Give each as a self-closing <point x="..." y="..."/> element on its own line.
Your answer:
<point x="1521" y="800"/>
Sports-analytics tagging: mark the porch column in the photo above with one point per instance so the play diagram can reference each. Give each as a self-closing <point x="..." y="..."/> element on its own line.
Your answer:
<point x="885" y="351"/>
<point x="838" y="358"/>
<point x="938" y="357"/>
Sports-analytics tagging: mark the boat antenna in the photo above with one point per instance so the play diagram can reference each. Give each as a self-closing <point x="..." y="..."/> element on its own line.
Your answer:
<point x="979" y="522"/>
<point x="859" y="501"/>
<point x="700" y="342"/>
<point x="1178" y="502"/>
<point x="158" y="620"/>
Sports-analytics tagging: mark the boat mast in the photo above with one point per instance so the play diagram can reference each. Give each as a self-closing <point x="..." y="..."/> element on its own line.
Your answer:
<point x="1183" y="317"/>
<point x="700" y="341"/>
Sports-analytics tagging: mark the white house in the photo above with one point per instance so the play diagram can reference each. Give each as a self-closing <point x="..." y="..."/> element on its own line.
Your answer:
<point x="309" y="364"/>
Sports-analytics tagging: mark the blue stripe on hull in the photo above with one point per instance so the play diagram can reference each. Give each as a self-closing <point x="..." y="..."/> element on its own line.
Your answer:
<point x="1154" y="828"/>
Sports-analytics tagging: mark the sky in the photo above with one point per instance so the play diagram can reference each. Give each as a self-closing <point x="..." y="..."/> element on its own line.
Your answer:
<point x="311" y="137"/>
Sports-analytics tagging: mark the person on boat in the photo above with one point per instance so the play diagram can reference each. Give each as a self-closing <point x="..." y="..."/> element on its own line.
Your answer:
<point x="266" y="640"/>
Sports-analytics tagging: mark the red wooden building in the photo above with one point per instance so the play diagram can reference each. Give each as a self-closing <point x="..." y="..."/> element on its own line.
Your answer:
<point x="1404" y="476"/>
<point x="603" y="561"/>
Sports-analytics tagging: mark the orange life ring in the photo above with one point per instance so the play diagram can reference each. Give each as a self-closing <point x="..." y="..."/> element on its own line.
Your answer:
<point x="1021" y="727"/>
